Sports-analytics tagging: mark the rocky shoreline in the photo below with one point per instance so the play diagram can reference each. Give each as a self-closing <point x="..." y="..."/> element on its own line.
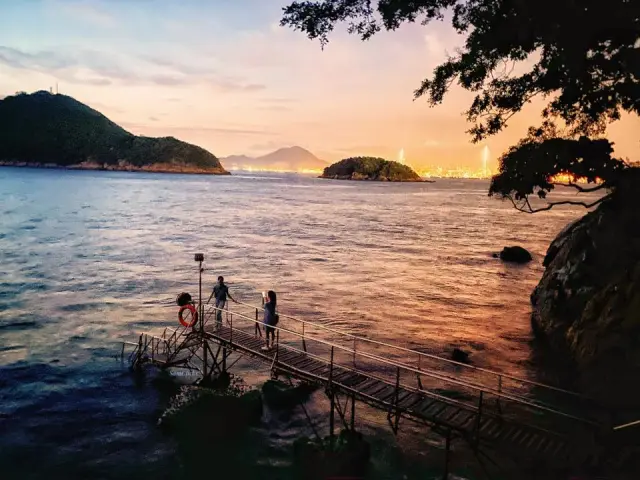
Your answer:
<point x="364" y="178"/>
<point x="587" y="304"/>
<point x="121" y="167"/>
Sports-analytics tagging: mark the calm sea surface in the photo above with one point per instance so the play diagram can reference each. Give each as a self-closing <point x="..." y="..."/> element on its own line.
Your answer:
<point x="90" y="258"/>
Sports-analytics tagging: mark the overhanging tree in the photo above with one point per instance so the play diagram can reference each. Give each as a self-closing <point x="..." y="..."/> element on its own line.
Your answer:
<point x="585" y="61"/>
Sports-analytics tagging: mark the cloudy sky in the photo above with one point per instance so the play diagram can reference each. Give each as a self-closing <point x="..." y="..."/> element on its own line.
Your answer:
<point x="222" y="74"/>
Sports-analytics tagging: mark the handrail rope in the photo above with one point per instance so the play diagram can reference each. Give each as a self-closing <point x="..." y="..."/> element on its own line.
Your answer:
<point x="480" y="388"/>
<point x="429" y="355"/>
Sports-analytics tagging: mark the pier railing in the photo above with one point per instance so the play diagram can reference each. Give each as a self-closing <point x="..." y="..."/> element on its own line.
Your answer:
<point x="491" y="379"/>
<point x="412" y="369"/>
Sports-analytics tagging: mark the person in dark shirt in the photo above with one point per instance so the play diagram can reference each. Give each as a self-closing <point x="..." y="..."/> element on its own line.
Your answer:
<point x="220" y="292"/>
<point x="270" y="318"/>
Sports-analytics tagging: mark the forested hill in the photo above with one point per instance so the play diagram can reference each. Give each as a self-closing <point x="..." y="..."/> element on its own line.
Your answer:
<point x="43" y="129"/>
<point x="370" y="168"/>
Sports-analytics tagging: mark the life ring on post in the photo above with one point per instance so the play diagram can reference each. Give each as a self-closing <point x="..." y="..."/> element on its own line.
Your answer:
<point x="194" y="315"/>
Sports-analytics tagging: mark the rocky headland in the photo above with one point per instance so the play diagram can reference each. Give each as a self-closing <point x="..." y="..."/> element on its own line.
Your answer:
<point x="587" y="304"/>
<point x="56" y="131"/>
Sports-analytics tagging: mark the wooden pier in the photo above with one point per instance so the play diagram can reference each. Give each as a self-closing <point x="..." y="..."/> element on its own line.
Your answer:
<point x="495" y="414"/>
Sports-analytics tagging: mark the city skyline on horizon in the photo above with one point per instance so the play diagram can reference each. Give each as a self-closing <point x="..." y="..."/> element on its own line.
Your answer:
<point x="228" y="78"/>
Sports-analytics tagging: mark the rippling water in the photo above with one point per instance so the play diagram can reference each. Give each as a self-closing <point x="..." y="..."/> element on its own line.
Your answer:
<point x="91" y="258"/>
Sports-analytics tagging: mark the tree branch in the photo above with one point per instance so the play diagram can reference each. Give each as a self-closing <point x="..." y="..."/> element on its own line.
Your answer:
<point x="582" y="189"/>
<point x="527" y="208"/>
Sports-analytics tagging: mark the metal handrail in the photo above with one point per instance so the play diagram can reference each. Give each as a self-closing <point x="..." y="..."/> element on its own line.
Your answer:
<point x="383" y="380"/>
<point x="428" y="373"/>
<point x="499" y="375"/>
<point x="627" y="425"/>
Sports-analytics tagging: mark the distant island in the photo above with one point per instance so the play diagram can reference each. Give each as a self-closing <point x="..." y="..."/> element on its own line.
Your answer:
<point x="57" y="131"/>
<point x="370" y="168"/>
<point x="288" y="159"/>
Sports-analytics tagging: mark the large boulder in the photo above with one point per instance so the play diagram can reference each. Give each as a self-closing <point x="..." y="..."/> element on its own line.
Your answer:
<point x="515" y="255"/>
<point x="587" y="303"/>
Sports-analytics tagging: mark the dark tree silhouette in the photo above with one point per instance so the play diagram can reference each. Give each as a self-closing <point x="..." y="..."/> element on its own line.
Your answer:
<point x="584" y="58"/>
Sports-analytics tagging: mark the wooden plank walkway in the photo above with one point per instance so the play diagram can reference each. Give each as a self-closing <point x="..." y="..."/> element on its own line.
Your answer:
<point x="491" y="410"/>
<point x="492" y="431"/>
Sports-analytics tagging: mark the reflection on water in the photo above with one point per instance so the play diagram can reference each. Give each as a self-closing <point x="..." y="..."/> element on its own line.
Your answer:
<point x="90" y="258"/>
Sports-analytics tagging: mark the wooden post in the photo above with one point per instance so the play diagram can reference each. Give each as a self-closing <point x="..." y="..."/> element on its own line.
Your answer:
<point x="331" y="369"/>
<point x="395" y="402"/>
<point x="256" y="324"/>
<point x="354" y="351"/>
<point x="477" y="439"/>
<point x="204" y="358"/>
<point x="445" y="475"/>
<point x="331" y="418"/>
<point x="122" y="354"/>
<point x="332" y="400"/>
<point x="353" y="412"/>
<point x="201" y="313"/>
<point x="499" y="392"/>
<point x="304" y="343"/>
<point x="224" y="359"/>
<point x="230" y="319"/>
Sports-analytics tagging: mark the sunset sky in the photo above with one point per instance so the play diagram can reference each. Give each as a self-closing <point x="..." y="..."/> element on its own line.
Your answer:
<point x="224" y="75"/>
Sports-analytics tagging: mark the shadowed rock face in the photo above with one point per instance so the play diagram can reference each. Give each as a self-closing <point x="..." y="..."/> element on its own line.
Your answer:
<point x="588" y="301"/>
<point x="370" y="168"/>
<point x="54" y="131"/>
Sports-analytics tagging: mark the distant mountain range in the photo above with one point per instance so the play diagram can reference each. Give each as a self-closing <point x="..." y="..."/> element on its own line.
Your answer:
<point x="289" y="159"/>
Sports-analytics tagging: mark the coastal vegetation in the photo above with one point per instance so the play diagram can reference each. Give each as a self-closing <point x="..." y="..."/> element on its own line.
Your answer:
<point x="582" y="60"/>
<point x="370" y="168"/>
<point x="43" y="129"/>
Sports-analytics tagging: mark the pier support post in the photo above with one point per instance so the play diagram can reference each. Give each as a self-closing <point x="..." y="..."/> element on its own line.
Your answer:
<point x="396" y="401"/>
<point x="224" y="359"/>
<point x="477" y="426"/>
<point x="138" y="359"/>
<point x="204" y="359"/>
<point x="331" y="417"/>
<point x="500" y="392"/>
<point x="331" y="400"/>
<point x="447" y="453"/>
<point x="353" y="412"/>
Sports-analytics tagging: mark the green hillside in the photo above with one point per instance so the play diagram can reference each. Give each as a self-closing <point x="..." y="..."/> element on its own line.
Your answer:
<point x="42" y="128"/>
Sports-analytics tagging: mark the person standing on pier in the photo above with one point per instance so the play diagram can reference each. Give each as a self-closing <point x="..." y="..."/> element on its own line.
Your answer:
<point x="220" y="292"/>
<point x="270" y="318"/>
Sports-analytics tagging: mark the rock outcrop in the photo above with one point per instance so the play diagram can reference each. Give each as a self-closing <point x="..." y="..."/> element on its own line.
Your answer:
<point x="514" y="255"/>
<point x="587" y="303"/>
<point x="370" y="168"/>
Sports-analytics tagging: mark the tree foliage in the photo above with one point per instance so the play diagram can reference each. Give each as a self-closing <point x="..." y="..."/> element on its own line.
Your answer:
<point x="534" y="164"/>
<point x="583" y="57"/>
